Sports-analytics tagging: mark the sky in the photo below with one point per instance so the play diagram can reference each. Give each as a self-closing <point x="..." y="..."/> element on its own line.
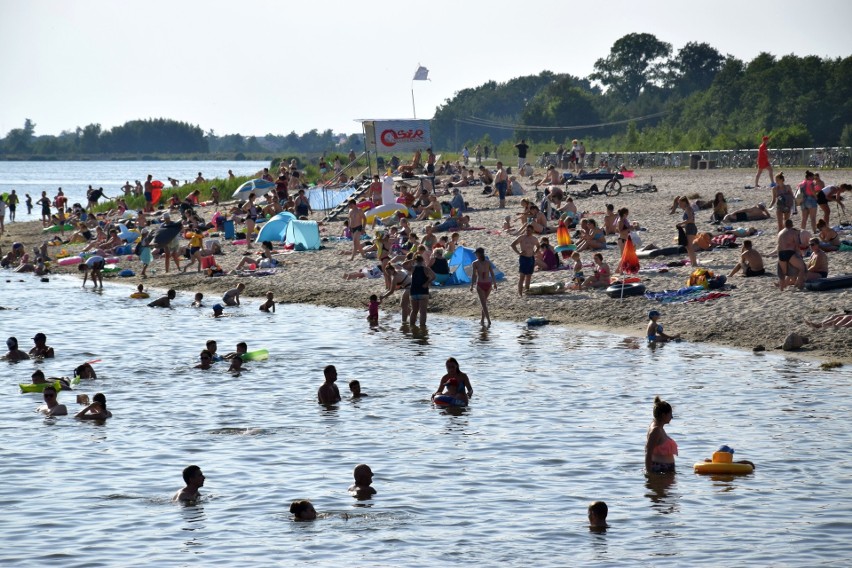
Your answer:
<point x="262" y="66"/>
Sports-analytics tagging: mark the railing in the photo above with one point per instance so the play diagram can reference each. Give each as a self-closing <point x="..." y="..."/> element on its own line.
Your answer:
<point x="820" y="158"/>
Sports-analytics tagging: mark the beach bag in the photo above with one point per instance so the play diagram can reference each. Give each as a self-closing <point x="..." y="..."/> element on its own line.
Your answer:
<point x="699" y="277"/>
<point x="800" y="198"/>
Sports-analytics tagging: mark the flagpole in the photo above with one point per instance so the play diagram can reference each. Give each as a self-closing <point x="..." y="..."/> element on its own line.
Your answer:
<point x="413" y="109"/>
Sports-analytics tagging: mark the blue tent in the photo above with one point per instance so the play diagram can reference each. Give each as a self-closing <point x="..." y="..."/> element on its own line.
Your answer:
<point x="304" y="235"/>
<point x="461" y="270"/>
<point x="275" y="229"/>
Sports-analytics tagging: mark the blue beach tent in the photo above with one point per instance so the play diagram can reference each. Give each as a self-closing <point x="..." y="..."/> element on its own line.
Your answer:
<point x="275" y="229"/>
<point x="461" y="270"/>
<point x="304" y="235"/>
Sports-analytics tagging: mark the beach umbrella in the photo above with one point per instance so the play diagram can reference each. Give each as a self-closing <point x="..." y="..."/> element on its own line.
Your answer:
<point x="629" y="263"/>
<point x="563" y="240"/>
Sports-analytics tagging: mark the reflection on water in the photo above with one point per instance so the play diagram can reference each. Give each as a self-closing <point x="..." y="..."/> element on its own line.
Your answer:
<point x="660" y="486"/>
<point x="510" y="476"/>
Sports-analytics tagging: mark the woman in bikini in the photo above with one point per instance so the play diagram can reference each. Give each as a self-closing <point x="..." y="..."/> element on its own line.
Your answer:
<point x="251" y="218"/>
<point x="601" y="274"/>
<point x="456" y="383"/>
<point x="782" y="199"/>
<point x="399" y="280"/>
<point x="484" y="280"/>
<point x="660" y="450"/>
<point x="829" y="240"/>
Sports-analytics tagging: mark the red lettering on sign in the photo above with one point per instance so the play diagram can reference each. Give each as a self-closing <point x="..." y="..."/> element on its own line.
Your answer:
<point x="390" y="137"/>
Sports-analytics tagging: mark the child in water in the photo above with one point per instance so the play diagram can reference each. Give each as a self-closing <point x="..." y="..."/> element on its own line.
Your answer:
<point x="597" y="515"/>
<point x="373" y="310"/>
<point x="269" y="304"/>
<point x="655" y="330"/>
<point x="197" y="302"/>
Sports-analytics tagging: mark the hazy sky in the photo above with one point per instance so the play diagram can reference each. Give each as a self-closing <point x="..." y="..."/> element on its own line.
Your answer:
<point x="261" y="66"/>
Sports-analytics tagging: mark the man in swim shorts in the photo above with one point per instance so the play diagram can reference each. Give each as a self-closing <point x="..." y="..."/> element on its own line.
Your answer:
<point x="501" y="184"/>
<point x="788" y="255"/>
<point x="751" y="262"/>
<point x="525" y="246"/>
<point x="148" y="193"/>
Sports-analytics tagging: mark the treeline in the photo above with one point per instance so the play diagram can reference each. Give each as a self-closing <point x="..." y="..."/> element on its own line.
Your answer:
<point x="162" y="136"/>
<point x="643" y="96"/>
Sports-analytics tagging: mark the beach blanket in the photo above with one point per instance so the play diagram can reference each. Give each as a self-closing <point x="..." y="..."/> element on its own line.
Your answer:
<point x="676" y="296"/>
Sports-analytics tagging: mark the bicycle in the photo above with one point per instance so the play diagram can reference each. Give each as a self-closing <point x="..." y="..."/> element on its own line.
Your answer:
<point x="633" y="188"/>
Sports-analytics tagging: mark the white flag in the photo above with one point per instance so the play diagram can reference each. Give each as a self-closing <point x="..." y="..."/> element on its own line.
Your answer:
<point x="422" y="74"/>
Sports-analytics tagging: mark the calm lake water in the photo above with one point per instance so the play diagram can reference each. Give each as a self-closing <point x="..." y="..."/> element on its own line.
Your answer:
<point x="75" y="177"/>
<point x="558" y="419"/>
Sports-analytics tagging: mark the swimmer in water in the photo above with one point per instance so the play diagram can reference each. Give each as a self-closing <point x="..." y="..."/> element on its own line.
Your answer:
<point x="97" y="410"/>
<point x="362" y="488"/>
<point x="597" y="515"/>
<point x="14" y="354"/>
<point x="194" y="480"/>
<point x="303" y="510"/>
<point x="51" y="407"/>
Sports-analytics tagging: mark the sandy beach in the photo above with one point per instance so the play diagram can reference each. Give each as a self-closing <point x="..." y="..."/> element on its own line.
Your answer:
<point x="753" y="313"/>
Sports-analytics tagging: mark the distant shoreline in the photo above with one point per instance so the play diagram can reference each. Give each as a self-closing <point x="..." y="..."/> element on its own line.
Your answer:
<point x="218" y="157"/>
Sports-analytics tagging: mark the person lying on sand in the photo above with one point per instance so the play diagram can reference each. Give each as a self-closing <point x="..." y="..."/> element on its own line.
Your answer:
<point x="756" y="213"/>
<point x="837" y="320"/>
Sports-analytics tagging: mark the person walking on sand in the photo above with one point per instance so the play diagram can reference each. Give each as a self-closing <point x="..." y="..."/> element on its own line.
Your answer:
<point x="522" y="148"/>
<point x="501" y="184"/>
<point x="484" y="280"/>
<point x="763" y="162"/>
<point x="529" y="245"/>
<point x="357" y="220"/>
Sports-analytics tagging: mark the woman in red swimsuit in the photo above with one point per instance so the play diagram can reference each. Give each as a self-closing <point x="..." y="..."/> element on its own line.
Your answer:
<point x="484" y="280"/>
<point x="660" y="450"/>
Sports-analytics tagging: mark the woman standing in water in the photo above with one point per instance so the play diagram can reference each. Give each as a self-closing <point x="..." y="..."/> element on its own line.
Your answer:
<point x="660" y="450"/>
<point x="484" y="280"/>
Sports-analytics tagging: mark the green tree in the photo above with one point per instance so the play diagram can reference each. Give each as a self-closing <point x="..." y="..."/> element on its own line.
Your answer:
<point x="694" y="67"/>
<point x="634" y="62"/>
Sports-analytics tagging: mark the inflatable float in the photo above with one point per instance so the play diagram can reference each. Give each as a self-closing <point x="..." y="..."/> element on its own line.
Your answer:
<point x="665" y="251"/>
<point x="624" y="290"/>
<point x="545" y="288"/>
<point x="257" y="355"/>
<point x="723" y="463"/>
<point x="69" y="260"/>
<point x="57" y="228"/>
<point x="832" y="283"/>
<point x="537" y="320"/>
<point x="39" y="387"/>
<point x="447" y="400"/>
<point x="140" y="295"/>
<point x="383" y="211"/>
